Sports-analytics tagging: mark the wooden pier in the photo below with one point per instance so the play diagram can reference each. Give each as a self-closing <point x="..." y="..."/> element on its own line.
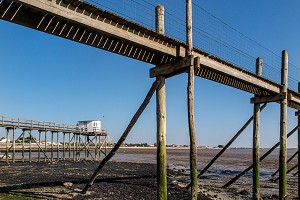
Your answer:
<point x="37" y="141"/>
<point x="87" y="24"/>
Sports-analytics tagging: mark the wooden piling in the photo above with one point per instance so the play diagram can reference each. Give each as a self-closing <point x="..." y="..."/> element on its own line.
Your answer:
<point x="124" y="135"/>
<point x="74" y="147"/>
<point x="52" y="138"/>
<point x="39" y="150"/>
<point x="64" y="146"/>
<point x="86" y="149"/>
<point x="57" y="143"/>
<point x="161" y="119"/>
<point x="14" y="145"/>
<point x="45" y="159"/>
<point x="96" y="146"/>
<point x="289" y="160"/>
<point x="88" y="146"/>
<point x="69" y="146"/>
<point x="298" y="146"/>
<point x="23" y="143"/>
<point x="256" y="140"/>
<point x="190" y="91"/>
<point x="283" y="127"/>
<point x="6" y="144"/>
<point x="30" y="147"/>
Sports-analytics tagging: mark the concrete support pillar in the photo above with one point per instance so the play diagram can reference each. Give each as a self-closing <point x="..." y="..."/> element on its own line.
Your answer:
<point x="161" y="119"/>
<point x="283" y="127"/>
<point x="256" y="140"/>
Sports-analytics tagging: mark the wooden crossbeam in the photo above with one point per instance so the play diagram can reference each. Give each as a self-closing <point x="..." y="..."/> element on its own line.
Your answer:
<point x="267" y="99"/>
<point x="180" y="65"/>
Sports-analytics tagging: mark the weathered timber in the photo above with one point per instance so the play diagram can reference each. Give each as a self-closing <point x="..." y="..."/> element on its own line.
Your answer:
<point x="124" y="135"/>
<point x="190" y="100"/>
<point x="161" y="116"/>
<point x="267" y="99"/>
<point x="288" y="171"/>
<point x="289" y="160"/>
<point x="283" y="128"/>
<point x="6" y="144"/>
<point x="14" y="145"/>
<point x="178" y="66"/>
<point x="256" y="140"/>
<point x="261" y="159"/>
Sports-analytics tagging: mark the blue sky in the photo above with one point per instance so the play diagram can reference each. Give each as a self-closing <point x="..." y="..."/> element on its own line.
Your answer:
<point x="48" y="78"/>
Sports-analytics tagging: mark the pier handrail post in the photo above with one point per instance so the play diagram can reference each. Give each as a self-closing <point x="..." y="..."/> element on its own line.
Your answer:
<point x="283" y="127"/>
<point x="161" y="119"/>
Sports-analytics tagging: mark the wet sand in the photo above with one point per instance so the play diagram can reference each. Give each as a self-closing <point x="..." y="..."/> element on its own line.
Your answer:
<point x="132" y="175"/>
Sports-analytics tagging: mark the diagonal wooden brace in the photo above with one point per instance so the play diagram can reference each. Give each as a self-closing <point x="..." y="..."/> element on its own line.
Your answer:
<point x="179" y="66"/>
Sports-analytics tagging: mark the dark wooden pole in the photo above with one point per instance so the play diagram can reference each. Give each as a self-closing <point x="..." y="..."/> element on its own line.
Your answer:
<point x="39" y="150"/>
<point x="161" y="119"/>
<point x="14" y="145"/>
<point x="256" y="140"/>
<point x="124" y="135"/>
<point x="23" y="148"/>
<point x="283" y="127"/>
<point x="261" y="158"/>
<point x="6" y="144"/>
<point x="45" y="159"/>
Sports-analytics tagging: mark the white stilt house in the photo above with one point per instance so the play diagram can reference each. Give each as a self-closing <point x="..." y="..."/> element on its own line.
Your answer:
<point x="90" y="126"/>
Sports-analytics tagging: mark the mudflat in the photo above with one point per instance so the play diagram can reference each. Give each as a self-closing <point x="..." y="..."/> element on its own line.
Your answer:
<point x="132" y="175"/>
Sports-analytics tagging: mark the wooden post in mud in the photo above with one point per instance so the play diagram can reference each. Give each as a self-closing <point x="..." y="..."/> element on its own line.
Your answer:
<point x="30" y="148"/>
<point x="74" y="145"/>
<point x="23" y="143"/>
<point x="57" y="143"/>
<point x="86" y="148"/>
<point x="45" y="159"/>
<point x="64" y="146"/>
<point x="132" y="122"/>
<point x="161" y="118"/>
<point x="298" y="146"/>
<point x="14" y="145"/>
<point x="6" y="143"/>
<point x="96" y="146"/>
<point x="190" y="91"/>
<point x="39" y="151"/>
<point x="283" y="127"/>
<point x="256" y="140"/>
<point x="69" y="146"/>
<point x="52" y="138"/>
